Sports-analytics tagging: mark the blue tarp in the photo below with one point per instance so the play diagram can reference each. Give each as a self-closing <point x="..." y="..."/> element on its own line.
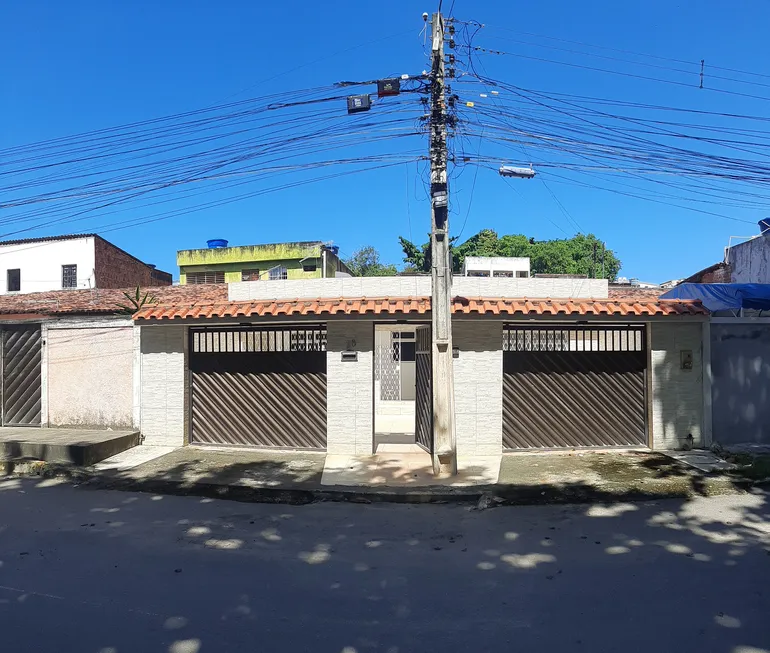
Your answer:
<point x="724" y="296"/>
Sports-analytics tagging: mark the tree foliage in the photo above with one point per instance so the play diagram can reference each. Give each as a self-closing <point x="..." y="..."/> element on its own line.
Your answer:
<point x="365" y="262"/>
<point x="562" y="256"/>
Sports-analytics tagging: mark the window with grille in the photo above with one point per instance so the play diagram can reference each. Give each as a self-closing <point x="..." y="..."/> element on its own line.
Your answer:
<point x="69" y="276"/>
<point x="205" y="277"/>
<point x="522" y="274"/>
<point x="258" y="340"/>
<point x="276" y="274"/>
<point x="14" y="280"/>
<point x="249" y="275"/>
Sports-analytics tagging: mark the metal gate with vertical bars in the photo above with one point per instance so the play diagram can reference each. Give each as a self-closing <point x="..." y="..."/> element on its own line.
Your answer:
<point x="423" y="409"/>
<point x="21" y="375"/>
<point x="258" y="386"/>
<point x="574" y="386"/>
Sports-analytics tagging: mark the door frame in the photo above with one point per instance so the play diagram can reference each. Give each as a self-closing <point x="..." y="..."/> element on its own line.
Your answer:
<point x="375" y="324"/>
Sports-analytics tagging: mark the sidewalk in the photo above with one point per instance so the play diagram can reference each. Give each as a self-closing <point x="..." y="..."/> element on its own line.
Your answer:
<point x="296" y="477"/>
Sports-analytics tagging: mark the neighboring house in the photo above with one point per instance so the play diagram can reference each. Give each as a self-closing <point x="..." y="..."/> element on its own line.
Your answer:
<point x="69" y="359"/>
<point x="746" y="262"/>
<point x="331" y="364"/>
<point x="219" y="263"/>
<point x="717" y="273"/>
<point x="71" y="262"/>
<point x="749" y="261"/>
<point x="496" y="266"/>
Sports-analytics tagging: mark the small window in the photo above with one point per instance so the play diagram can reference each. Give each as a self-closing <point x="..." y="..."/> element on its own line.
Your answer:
<point x="279" y="273"/>
<point x="14" y="280"/>
<point x="197" y="278"/>
<point x="309" y="267"/>
<point x="503" y="273"/>
<point x="408" y="352"/>
<point x="522" y="274"/>
<point x="478" y="273"/>
<point x="250" y="275"/>
<point x="69" y="276"/>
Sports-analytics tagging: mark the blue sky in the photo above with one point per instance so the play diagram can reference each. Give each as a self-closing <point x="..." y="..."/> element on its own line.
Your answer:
<point x="84" y="65"/>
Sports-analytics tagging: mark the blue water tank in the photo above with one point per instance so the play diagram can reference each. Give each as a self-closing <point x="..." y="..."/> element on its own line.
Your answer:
<point x="216" y="243"/>
<point x="764" y="226"/>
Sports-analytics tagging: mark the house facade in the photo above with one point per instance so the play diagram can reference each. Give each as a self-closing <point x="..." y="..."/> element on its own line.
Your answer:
<point x="219" y="263"/>
<point x="72" y="262"/>
<point x="71" y="359"/>
<point x="310" y="365"/>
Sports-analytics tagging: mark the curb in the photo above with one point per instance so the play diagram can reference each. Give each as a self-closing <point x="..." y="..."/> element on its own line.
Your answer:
<point x="483" y="496"/>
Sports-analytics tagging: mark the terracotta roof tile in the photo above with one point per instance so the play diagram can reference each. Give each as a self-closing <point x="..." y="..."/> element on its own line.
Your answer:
<point x="106" y="301"/>
<point x="420" y="306"/>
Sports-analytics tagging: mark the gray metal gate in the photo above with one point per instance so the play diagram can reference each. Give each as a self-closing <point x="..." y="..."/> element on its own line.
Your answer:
<point x="574" y="386"/>
<point x="259" y="386"/>
<point x="423" y="409"/>
<point x="22" y="359"/>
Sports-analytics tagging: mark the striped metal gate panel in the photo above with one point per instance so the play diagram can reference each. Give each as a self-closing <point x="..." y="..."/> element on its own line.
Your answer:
<point x="574" y="386"/>
<point x="261" y="387"/>
<point x="22" y="359"/>
<point x="423" y="408"/>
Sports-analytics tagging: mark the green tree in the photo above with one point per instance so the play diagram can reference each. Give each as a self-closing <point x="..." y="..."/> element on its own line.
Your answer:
<point x="581" y="254"/>
<point x="365" y="262"/>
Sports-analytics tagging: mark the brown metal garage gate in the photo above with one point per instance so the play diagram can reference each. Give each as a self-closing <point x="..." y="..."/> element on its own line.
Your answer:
<point x="574" y="386"/>
<point x="259" y="386"/>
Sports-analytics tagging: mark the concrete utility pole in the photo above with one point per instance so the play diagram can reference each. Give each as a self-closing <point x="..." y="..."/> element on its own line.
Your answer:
<point x="444" y="447"/>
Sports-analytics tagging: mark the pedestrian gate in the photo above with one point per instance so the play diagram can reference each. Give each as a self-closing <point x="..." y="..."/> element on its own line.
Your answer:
<point x="574" y="386"/>
<point x="21" y="375"/>
<point x="259" y="386"/>
<point x="423" y="429"/>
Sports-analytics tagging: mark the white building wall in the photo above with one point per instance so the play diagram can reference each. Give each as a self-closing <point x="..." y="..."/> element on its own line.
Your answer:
<point x="41" y="263"/>
<point x="478" y="380"/>
<point x="350" y="397"/>
<point x="90" y="375"/>
<point x="163" y="392"/>
<point x="492" y="264"/>
<point x="677" y="394"/>
<point x="417" y="287"/>
<point x="750" y="261"/>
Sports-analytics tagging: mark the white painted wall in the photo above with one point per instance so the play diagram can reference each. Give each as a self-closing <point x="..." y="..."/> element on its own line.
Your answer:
<point x="478" y="377"/>
<point x="750" y="261"/>
<point x="492" y="264"/>
<point x="677" y="394"/>
<point x="418" y="287"/>
<point x="164" y="414"/>
<point x="41" y="263"/>
<point x="350" y="389"/>
<point x="90" y="375"/>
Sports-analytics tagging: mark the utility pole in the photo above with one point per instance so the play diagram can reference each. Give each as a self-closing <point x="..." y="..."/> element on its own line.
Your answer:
<point x="444" y="447"/>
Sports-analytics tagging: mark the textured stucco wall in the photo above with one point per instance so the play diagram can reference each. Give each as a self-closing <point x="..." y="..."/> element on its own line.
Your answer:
<point x="248" y="254"/>
<point x="750" y="261"/>
<point x="294" y="269"/>
<point x="677" y="394"/>
<point x="350" y="388"/>
<point x="478" y="377"/>
<point x="163" y="391"/>
<point x="90" y="377"/>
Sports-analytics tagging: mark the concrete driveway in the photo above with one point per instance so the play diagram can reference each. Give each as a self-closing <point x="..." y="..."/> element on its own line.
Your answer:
<point x="110" y="572"/>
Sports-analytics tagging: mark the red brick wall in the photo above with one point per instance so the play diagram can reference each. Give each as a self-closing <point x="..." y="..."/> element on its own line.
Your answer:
<point x="118" y="269"/>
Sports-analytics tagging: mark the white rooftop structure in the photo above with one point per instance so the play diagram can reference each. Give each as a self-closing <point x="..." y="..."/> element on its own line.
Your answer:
<point x="496" y="266"/>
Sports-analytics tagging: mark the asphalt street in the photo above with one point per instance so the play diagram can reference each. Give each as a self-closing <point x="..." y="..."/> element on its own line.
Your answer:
<point x="111" y="572"/>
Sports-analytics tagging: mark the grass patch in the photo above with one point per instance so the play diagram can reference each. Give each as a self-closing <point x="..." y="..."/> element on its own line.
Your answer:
<point x="753" y="466"/>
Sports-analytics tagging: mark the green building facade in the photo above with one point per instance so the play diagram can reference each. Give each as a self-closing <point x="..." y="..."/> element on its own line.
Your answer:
<point x="300" y="260"/>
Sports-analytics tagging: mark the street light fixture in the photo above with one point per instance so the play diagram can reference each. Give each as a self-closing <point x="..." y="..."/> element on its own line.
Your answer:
<point x="514" y="171"/>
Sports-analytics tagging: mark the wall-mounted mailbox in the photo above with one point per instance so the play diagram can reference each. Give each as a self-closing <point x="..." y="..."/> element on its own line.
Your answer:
<point x="349" y="356"/>
<point x="455" y="352"/>
<point x="686" y="359"/>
